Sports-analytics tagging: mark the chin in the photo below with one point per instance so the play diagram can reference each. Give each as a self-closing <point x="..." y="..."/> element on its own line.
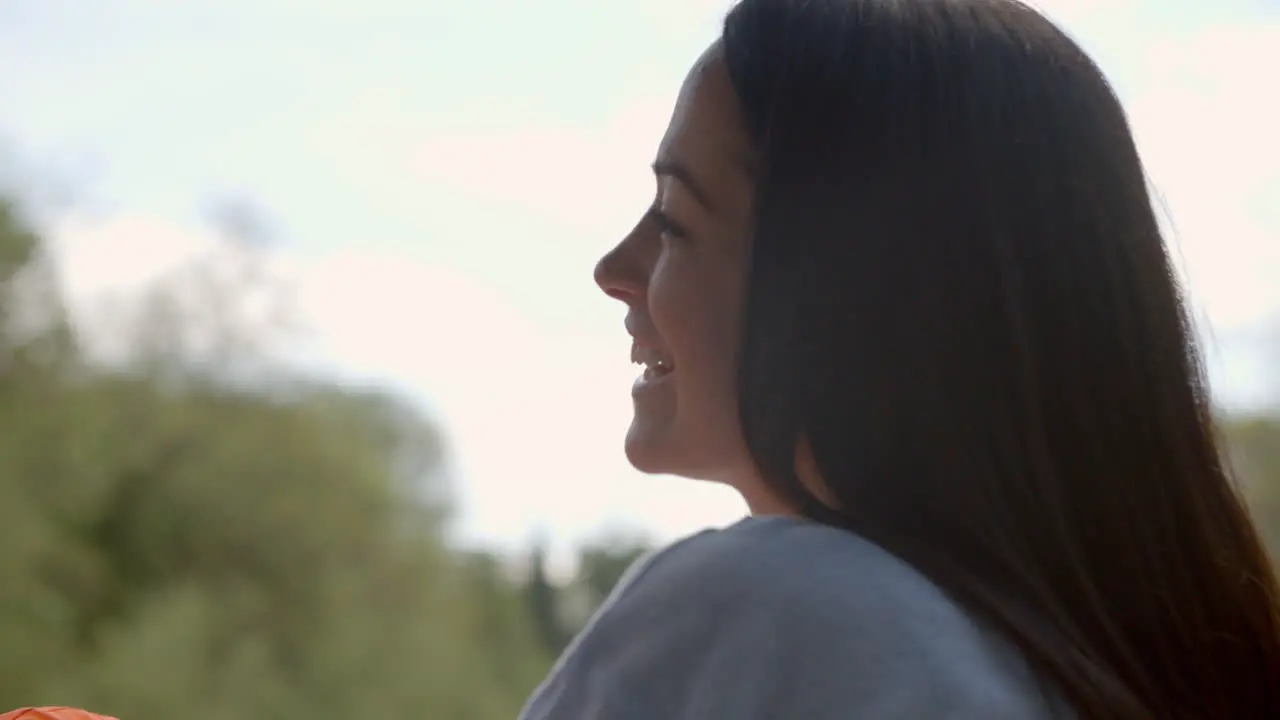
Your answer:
<point x="645" y="456"/>
<point x="652" y="451"/>
<point x="660" y="454"/>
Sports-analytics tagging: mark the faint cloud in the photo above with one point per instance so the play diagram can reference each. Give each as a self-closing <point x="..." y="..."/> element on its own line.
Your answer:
<point x="1070" y="12"/>
<point x="580" y="178"/>
<point x="123" y="253"/>
<point x="1207" y="128"/>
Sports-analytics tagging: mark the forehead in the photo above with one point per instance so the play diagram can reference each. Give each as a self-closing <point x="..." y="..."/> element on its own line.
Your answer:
<point x="707" y="132"/>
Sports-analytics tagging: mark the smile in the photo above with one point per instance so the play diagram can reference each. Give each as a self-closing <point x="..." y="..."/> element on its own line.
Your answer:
<point x="657" y="364"/>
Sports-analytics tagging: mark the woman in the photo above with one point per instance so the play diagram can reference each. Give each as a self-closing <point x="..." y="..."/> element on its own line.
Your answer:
<point x="902" y="287"/>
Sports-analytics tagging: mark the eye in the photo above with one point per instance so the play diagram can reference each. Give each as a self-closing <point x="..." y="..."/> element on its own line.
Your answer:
<point x="666" y="225"/>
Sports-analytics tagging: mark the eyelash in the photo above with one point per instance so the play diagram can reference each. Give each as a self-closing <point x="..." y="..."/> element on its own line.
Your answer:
<point x="666" y="225"/>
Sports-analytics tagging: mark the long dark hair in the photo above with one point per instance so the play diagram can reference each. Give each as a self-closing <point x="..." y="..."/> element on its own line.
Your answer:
<point x="959" y="297"/>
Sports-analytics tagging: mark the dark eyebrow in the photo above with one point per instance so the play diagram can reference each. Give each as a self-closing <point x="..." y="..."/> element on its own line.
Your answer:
<point x="673" y="168"/>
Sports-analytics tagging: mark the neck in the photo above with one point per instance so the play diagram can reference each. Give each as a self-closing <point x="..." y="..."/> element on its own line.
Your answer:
<point x="762" y="500"/>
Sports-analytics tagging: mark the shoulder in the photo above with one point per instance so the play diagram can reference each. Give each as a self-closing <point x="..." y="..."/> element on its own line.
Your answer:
<point x="800" y="573"/>
<point x="788" y="561"/>
<point x="776" y="598"/>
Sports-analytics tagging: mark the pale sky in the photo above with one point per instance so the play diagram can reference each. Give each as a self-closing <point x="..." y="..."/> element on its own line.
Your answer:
<point x="444" y="173"/>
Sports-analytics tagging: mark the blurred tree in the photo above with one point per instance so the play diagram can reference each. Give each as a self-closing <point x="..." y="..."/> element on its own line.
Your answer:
<point x="602" y="564"/>
<point x="1254" y="450"/>
<point x="545" y="602"/>
<point x="177" y="544"/>
<point x="1253" y="445"/>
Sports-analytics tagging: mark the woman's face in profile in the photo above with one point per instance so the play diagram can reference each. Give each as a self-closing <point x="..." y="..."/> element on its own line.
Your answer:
<point x="682" y="273"/>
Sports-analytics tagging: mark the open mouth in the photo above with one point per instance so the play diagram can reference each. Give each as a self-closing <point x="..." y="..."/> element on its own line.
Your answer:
<point x="657" y="364"/>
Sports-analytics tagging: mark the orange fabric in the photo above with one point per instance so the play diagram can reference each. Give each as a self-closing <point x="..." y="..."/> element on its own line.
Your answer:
<point x="52" y="713"/>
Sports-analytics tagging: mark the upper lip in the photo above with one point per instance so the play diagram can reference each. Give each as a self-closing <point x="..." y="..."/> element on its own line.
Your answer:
<point x="630" y="323"/>
<point x="635" y="332"/>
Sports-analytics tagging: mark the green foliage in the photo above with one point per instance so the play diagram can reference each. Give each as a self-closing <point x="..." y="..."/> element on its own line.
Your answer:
<point x="190" y="549"/>
<point x="545" y="604"/>
<point x="601" y="565"/>
<point x="1254" y="450"/>
<point x="18" y="243"/>
<point x="560" y="612"/>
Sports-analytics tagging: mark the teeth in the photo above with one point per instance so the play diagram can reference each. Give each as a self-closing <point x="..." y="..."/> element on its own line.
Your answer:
<point x="650" y="357"/>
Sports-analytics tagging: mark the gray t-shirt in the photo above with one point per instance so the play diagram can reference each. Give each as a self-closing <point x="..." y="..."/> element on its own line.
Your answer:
<point x="778" y="618"/>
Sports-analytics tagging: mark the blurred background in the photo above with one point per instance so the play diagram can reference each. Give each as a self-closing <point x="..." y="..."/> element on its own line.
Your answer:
<point x="308" y="405"/>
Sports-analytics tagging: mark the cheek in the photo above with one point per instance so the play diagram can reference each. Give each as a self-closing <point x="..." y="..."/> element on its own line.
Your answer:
<point x="696" y="308"/>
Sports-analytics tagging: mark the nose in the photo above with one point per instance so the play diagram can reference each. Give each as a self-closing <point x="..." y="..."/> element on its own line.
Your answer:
<point x="620" y="274"/>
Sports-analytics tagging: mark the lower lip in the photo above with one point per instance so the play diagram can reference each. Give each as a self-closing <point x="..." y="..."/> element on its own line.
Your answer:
<point x="650" y="379"/>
